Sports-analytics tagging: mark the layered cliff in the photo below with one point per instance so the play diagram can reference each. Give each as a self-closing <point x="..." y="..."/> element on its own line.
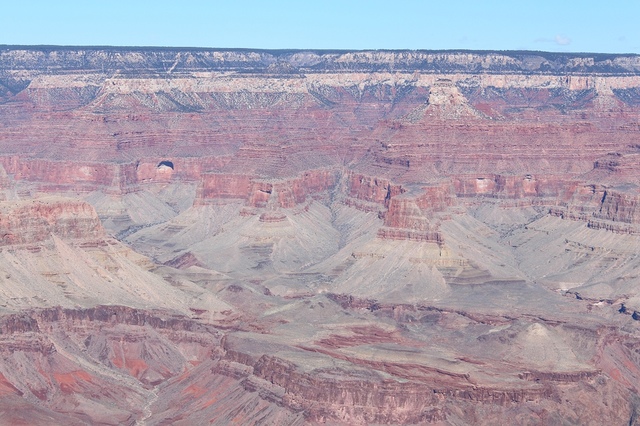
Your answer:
<point x="118" y="365"/>
<point x="195" y="236"/>
<point x="33" y="221"/>
<point x="176" y="60"/>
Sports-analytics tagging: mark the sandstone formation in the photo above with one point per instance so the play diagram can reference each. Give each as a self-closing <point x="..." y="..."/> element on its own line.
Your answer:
<point x="194" y="236"/>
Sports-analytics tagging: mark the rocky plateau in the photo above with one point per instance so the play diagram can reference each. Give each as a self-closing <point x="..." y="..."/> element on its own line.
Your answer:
<point x="211" y="236"/>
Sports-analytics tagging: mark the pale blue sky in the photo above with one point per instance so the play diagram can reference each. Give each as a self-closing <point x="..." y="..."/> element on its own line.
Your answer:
<point x="611" y="26"/>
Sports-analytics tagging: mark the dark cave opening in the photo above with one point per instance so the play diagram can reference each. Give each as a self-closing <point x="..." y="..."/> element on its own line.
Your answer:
<point x="166" y="163"/>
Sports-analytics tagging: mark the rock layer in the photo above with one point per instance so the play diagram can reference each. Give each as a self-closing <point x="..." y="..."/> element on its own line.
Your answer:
<point x="368" y="237"/>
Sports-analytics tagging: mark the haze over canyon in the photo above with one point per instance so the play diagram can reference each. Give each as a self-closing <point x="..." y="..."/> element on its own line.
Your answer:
<point x="202" y="236"/>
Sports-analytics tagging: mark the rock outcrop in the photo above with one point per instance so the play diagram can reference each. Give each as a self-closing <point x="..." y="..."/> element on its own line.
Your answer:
<point x="34" y="221"/>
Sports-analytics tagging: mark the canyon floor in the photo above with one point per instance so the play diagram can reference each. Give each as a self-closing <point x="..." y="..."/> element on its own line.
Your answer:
<point x="305" y="237"/>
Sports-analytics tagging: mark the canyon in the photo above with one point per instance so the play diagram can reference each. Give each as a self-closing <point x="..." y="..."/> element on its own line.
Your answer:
<point x="215" y="236"/>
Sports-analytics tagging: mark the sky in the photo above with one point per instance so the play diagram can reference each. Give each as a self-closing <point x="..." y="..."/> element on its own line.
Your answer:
<point x="611" y="26"/>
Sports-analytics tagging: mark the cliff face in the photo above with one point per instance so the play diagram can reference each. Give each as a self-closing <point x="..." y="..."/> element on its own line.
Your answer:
<point x="507" y="123"/>
<point x="32" y="222"/>
<point x="172" y="368"/>
<point x="290" y="62"/>
<point x="198" y="236"/>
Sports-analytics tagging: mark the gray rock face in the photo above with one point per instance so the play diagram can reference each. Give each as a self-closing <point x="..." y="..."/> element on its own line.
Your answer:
<point x="176" y="60"/>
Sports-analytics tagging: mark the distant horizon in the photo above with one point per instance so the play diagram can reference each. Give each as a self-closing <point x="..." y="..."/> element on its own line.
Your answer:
<point x="353" y="25"/>
<point x="283" y="50"/>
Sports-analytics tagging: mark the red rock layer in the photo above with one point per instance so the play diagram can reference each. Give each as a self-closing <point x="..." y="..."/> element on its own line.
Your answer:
<point x="514" y="187"/>
<point x="620" y="207"/>
<point x="602" y="208"/>
<point x="119" y="178"/>
<point x="256" y="192"/>
<point x="370" y="188"/>
<point x="34" y="221"/>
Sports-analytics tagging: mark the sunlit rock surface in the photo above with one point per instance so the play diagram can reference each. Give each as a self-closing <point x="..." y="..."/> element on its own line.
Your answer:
<point x="198" y="236"/>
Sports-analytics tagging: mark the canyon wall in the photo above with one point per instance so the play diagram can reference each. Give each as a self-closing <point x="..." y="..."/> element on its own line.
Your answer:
<point x="32" y="222"/>
<point x="499" y="124"/>
<point x="196" y="236"/>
